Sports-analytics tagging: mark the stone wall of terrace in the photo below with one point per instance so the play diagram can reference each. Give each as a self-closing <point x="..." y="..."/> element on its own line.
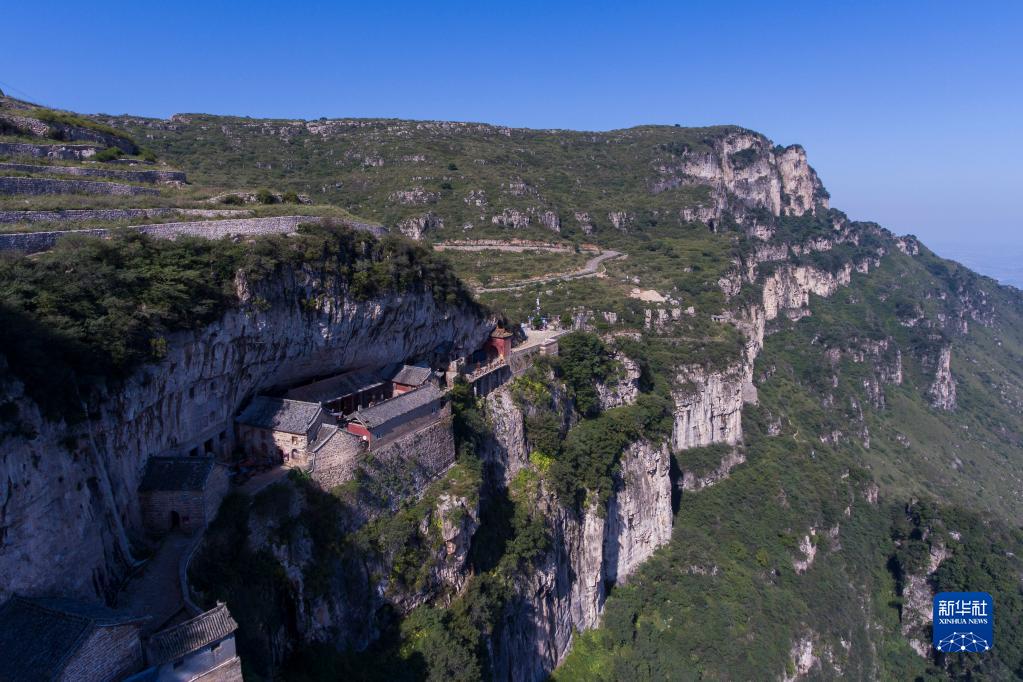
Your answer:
<point x="63" y="152"/>
<point x="112" y="214"/>
<point x="42" y="186"/>
<point x="99" y="172"/>
<point x="34" y="242"/>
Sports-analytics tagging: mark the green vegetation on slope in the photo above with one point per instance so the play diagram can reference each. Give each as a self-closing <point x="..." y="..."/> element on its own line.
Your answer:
<point x="465" y="171"/>
<point x="728" y="597"/>
<point x="92" y="309"/>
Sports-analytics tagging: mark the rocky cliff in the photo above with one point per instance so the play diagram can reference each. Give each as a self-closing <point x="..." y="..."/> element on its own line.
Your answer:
<point x="590" y="550"/>
<point x="68" y="504"/>
<point x="745" y="173"/>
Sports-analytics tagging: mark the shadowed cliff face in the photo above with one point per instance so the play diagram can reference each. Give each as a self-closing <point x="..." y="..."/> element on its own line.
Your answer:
<point x="69" y="504"/>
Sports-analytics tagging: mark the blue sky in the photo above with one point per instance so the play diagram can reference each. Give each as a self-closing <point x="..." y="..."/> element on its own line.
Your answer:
<point x="910" y="111"/>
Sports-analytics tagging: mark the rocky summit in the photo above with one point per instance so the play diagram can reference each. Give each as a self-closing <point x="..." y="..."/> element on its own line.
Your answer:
<point x="383" y="399"/>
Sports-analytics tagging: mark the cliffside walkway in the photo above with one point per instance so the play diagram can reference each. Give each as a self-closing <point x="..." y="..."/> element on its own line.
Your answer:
<point x="156" y="590"/>
<point x="588" y="270"/>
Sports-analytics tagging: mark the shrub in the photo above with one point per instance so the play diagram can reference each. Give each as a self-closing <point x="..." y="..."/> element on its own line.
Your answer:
<point x="265" y="196"/>
<point x="290" y="197"/>
<point x="584" y="361"/>
<point x="233" y="200"/>
<point x="108" y="154"/>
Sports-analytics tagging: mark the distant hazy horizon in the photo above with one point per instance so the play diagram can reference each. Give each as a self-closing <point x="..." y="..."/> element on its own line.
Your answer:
<point x="1003" y="262"/>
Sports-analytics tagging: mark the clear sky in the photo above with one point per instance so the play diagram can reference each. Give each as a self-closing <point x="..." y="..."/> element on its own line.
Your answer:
<point x="910" y="111"/>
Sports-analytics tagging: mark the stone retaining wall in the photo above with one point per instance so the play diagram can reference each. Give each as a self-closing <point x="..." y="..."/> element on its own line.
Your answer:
<point x="111" y="214"/>
<point x="41" y="186"/>
<point x="431" y="449"/>
<point x="33" y="242"/>
<point x="127" y="175"/>
<point x="64" y="152"/>
<point x="215" y="229"/>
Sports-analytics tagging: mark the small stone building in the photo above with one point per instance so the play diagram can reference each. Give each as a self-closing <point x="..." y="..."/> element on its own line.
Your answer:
<point x="62" y="639"/>
<point x="200" y="648"/>
<point x="280" y="429"/>
<point x="410" y="377"/>
<point x="397" y="415"/>
<point x="181" y="492"/>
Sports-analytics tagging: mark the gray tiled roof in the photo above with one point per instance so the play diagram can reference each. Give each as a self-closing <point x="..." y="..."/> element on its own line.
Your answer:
<point x="336" y="387"/>
<point x="176" y="473"/>
<point x="412" y="375"/>
<point x="192" y="635"/>
<point x="39" y="636"/>
<point x="280" y="414"/>
<point x="385" y="411"/>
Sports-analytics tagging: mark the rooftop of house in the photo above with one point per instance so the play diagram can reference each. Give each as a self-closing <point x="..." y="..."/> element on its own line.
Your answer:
<point x="385" y="411"/>
<point x="46" y="633"/>
<point x="182" y="639"/>
<point x="336" y="387"/>
<point x="412" y="375"/>
<point x="500" y="333"/>
<point x="280" y="414"/>
<point x="176" y="473"/>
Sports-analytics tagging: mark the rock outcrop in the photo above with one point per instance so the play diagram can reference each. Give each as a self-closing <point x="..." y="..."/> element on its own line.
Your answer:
<point x="590" y="549"/>
<point x="943" y="389"/>
<point x="708" y="407"/>
<point x="745" y="174"/>
<point x="415" y="227"/>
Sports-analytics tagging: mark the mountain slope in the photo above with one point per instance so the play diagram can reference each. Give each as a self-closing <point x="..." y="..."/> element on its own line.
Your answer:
<point x="811" y="417"/>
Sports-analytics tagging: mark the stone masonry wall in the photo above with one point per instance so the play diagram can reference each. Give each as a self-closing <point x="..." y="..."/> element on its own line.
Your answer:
<point x="334" y="466"/>
<point x="64" y="152"/>
<point x="41" y="186"/>
<point x="33" y="242"/>
<point x="99" y="172"/>
<point x="431" y="449"/>
<point x="158" y="505"/>
<point x="111" y="214"/>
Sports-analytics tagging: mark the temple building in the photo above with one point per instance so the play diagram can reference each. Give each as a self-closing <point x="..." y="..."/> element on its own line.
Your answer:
<point x="280" y="429"/>
<point x="202" y="648"/>
<point x="62" y="639"/>
<point x="410" y="377"/>
<point x="398" y="415"/>
<point x="344" y="393"/>
<point x="181" y="492"/>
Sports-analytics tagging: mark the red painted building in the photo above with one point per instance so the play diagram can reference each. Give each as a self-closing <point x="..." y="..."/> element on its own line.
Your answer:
<point x="499" y="344"/>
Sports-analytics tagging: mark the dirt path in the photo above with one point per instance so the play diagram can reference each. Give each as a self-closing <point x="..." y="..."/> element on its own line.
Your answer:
<point x="588" y="270"/>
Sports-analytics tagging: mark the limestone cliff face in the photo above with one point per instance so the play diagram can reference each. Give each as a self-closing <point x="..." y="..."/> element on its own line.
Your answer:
<point x="943" y="389"/>
<point x="709" y="407"/>
<point x="589" y="551"/>
<point x="745" y="172"/>
<point x="68" y="502"/>
<point x="788" y="289"/>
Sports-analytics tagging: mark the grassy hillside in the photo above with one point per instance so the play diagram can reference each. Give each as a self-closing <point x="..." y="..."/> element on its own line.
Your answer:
<point x="724" y="600"/>
<point x="464" y="172"/>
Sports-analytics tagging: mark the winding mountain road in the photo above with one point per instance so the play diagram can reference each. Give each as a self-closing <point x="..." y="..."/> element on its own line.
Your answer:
<point x="588" y="270"/>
